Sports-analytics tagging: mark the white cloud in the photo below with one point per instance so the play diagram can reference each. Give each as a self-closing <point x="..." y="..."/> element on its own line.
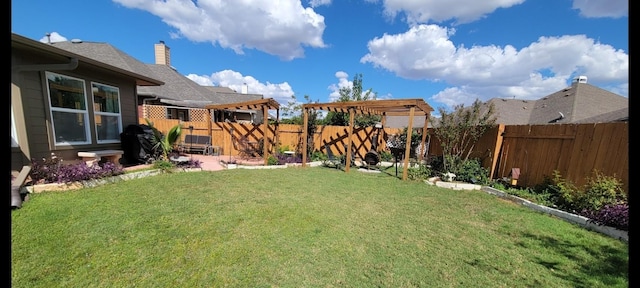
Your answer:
<point x="343" y="82"/>
<point x="545" y="66"/>
<point x="462" y="11"/>
<point x="280" y="28"/>
<point x="316" y="3"/>
<point x="602" y="8"/>
<point x="280" y="92"/>
<point x="52" y="38"/>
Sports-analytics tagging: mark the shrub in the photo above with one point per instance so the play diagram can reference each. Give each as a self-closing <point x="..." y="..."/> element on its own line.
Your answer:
<point x="471" y="171"/>
<point x="272" y="160"/>
<point x="616" y="215"/>
<point x="564" y="193"/>
<point x="421" y="172"/>
<point x="600" y="191"/>
<point x="52" y="170"/>
<point x="318" y="156"/>
<point x="542" y="197"/>
<point x="386" y="156"/>
<point x="163" y="165"/>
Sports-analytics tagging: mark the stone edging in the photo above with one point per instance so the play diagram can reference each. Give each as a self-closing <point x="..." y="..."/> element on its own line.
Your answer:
<point x="576" y="219"/>
<point x="287" y="165"/>
<point x="95" y="182"/>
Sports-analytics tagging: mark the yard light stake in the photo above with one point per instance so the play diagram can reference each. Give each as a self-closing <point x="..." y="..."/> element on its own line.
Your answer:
<point x="231" y="142"/>
<point x="191" y="143"/>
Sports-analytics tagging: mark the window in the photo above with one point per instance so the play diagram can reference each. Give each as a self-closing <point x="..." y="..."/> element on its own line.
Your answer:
<point x="106" y="109"/>
<point x="69" y="114"/>
<point x="14" y="135"/>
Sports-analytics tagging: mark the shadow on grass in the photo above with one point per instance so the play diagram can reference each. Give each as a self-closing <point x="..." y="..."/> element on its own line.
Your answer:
<point x="603" y="262"/>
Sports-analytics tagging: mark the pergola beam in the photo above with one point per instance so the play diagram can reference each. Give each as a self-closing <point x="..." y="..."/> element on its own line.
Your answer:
<point x="396" y="107"/>
<point x="261" y="104"/>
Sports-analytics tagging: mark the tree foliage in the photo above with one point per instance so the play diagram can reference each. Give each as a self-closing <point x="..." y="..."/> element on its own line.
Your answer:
<point x="354" y="93"/>
<point x="459" y="131"/>
<point x="293" y="113"/>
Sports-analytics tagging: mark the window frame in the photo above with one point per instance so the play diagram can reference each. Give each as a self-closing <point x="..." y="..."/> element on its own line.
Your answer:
<point x="98" y="113"/>
<point x="84" y="113"/>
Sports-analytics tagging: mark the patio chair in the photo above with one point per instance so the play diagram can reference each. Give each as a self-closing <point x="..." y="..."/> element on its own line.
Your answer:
<point x="332" y="160"/>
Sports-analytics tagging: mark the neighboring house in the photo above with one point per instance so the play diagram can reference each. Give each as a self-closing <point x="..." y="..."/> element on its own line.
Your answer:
<point x="181" y="98"/>
<point x="578" y="103"/>
<point x="65" y="99"/>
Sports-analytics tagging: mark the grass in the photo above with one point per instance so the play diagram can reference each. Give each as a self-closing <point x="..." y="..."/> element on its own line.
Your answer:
<point x="299" y="227"/>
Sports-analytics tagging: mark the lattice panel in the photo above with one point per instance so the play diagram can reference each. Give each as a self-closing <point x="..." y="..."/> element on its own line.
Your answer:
<point x="198" y="115"/>
<point x="160" y="112"/>
<point x="155" y="112"/>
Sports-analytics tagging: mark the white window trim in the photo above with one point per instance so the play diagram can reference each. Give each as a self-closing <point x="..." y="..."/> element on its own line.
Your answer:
<point x="84" y="112"/>
<point x="14" y="134"/>
<point x="99" y="113"/>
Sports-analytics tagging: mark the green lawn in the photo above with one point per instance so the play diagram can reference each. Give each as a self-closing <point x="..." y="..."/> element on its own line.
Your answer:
<point x="299" y="227"/>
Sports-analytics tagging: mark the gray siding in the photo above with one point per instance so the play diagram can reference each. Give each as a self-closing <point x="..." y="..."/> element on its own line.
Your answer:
<point x="33" y="98"/>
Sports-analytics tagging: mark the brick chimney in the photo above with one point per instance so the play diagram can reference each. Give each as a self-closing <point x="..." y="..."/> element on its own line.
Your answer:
<point x="163" y="55"/>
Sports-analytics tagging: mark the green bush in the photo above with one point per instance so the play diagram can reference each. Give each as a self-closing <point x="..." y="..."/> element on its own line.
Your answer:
<point x="281" y="149"/>
<point x="422" y="172"/>
<point x="600" y="190"/>
<point x="272" y="160"/>
<point x="386" y="156"/>
<point x="318" y="156"/>
<point x="163" y="165"/>
<point x="471" y="171"/>
<point x="542" y="197"/>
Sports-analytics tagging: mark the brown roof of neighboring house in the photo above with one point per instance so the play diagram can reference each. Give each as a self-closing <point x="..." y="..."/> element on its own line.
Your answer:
<point x="578" y="103"/>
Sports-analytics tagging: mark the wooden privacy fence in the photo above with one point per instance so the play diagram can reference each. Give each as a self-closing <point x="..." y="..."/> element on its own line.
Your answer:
<point x="574" y="150"/>
<point x="289" y="135"/>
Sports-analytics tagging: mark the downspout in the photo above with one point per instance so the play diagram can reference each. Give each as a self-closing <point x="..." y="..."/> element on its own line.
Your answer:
<point x="144" y="105"/>
<point x="73" y="64"/>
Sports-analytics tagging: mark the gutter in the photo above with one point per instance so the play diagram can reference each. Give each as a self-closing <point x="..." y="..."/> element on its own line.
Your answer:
<point x="73" y="64"/>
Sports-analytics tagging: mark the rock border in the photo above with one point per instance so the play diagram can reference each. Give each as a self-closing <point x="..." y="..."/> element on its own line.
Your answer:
<point x="572" y="218"/>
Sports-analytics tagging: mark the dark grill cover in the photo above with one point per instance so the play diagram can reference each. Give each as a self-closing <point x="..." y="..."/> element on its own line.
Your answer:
<point x="137" y="142"/>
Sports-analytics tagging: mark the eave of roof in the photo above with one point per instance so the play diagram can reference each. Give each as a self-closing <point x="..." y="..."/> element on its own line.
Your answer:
<point x="22" y="42"/>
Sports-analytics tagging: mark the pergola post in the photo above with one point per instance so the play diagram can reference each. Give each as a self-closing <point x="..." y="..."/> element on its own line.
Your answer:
<point x="305" y="126"/>
<point x="407" y="151"/>
<point x="265" y="128"/>
<point x="424" y="138"/>
<point x="347" y="163"/>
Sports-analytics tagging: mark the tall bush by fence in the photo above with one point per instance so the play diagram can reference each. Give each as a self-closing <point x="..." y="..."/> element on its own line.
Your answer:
<point x="574" y="150"/>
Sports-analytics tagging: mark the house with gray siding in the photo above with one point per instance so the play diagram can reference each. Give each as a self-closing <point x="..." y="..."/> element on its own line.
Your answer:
<point x="64" y="102"/>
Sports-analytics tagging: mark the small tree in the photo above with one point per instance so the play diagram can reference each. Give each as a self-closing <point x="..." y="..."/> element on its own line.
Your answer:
<point x="356" y="93"/>
<point x="459" y="131"/>
<point x="293" y="111"/>
<point x="165" y="142"/>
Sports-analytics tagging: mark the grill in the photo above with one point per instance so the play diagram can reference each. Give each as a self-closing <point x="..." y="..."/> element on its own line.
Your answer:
<point x="371" y="158"/>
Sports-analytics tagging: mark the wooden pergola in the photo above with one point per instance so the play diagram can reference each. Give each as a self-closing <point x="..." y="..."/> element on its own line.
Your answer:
<point x="261" y="104"/>
<point x="399" y="107"/>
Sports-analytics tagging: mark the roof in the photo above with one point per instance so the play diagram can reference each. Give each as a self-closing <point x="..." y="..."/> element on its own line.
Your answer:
<point x="259" y="104"/>
<point x="177" y="89"/>
<point x="578" y="103"/>
<point x="182" y="91"/>
<point x="97" y="54"/>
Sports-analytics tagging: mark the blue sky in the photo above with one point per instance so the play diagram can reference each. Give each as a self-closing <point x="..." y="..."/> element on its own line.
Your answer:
<point x="446" y="52"/>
